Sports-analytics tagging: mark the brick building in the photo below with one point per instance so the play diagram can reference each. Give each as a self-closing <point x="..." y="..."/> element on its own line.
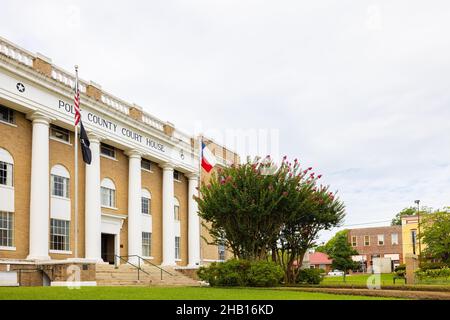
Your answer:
<point x="135" y="198"/>
<point x="377" y="242"/>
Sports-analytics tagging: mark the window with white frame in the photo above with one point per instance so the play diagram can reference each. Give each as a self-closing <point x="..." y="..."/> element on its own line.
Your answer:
<point x="176" y="209"/>
<point x="59" y="181"/>
<point x="6" y="114"/>
<point x="221" y="251"/>
<point x="394" y="238"/>
<point x="6" y="168"/>
<point x="380" y="238"/>
<point x="107" y="150"/>
<point x="146" y="164"/>
<point x="146" y="244"/>
<point x="366" y="241"/>
<point x="146" y="202"/>
<point x="108" y="193"/>
<point x="59" y="235"/>
<point x="177" y="248"/>
<point x="59" y="133"/>
<point x="6" y="229"/>
<point x="354" y="242"/>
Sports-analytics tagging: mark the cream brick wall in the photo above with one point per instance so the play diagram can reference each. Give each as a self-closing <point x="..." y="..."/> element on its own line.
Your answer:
<point x="17" y="141"/>
<point x="63" y="154"/>
<point x="117" y="171"/>
<point x="152" y="181"/>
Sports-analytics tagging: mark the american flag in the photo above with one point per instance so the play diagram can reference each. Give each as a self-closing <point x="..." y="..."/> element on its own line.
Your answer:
<point x="77" y="101"/>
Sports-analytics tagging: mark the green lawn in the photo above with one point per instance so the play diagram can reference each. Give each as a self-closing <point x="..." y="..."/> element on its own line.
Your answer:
<point x="386" y="280"/>
<point x="157" y="293"/>
<point x="361" y="279"/>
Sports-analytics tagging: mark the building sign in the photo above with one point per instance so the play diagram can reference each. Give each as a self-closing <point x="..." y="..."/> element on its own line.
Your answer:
<point x="112" y="127"/>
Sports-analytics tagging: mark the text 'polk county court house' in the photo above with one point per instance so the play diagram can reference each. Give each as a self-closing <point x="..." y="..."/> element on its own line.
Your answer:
<point x="134" y="199"/>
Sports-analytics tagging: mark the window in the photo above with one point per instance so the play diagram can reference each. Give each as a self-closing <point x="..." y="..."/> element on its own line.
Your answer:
<point x="146" y="165"/>
<point x="221" y="249"/>
<point x="6" y="114"/>
<point x="108" y="193"/>
<point x="108" y="150"/>
<point x="394" y="238"/>
<point x="60" y="186"/>
<point x="6" y="174"/>
<point x="146" y="244"/>
<point x="177" y="175"/>
<point x="380" y="239"/>
<point x="6" y="229"/>
<point x="414" y="240"/>
<point x="354" y="243"/>
<point x="59" y="133"/>
<point x="59" y="235"/>
<point x="146" y="202"/>
<point x="367" y="240"/>
<point x="176" y="210"/>
<point x="177" y="248"/>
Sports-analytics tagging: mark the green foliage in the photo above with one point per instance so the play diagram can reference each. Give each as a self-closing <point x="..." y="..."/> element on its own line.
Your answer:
<point x="264" y="274"/>
<point x="400" y="271"/>
<point x="310" y="276"/>
<point x="241" y="273"/>
<point x="433" y="273"/>
<point x="340" y="251"/>
<point x="436" y="236"/>
<point x="397" y="221"/>
<point x="431" y="265"/>
<point x="258" y="210"/>
<point x="328" y="247"/>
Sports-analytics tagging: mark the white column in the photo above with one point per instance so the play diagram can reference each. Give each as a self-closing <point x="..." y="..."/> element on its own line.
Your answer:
<point x="40" y="189"/>
<point x="134" y="206"/>
<point x="168" y="234"/>
<point x="193" y="223"/>
<point x="93" y="211"/>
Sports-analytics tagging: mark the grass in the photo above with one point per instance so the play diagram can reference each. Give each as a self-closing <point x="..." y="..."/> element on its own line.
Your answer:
<point x="158" y="293"/>
<point x="361" y="279"/>
<point x="387" y="279"/>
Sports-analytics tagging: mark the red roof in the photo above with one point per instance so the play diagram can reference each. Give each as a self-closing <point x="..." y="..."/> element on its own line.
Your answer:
<point x="319" y="258"/>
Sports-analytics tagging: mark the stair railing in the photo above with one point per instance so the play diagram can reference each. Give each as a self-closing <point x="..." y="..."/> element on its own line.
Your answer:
<point x="138" y="267"/>
<point x="125" y="258"/>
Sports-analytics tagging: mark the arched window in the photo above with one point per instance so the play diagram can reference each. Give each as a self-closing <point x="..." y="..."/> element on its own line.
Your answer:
<point x="176" y="209"/>
<point x="108" y="192"/>
<point x="60" y="180"/>
<point x="6" y="168"/>
<point x="146" y="199"/>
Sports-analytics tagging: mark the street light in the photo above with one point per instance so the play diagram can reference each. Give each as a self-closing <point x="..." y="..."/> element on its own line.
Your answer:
<point x="418" y="224"/>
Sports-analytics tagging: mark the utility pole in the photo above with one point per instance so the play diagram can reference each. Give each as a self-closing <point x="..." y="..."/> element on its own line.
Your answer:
<point x="418" y="225"/>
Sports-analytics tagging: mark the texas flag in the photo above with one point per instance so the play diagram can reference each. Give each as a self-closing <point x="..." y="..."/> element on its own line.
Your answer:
<point x="208" y="159"/>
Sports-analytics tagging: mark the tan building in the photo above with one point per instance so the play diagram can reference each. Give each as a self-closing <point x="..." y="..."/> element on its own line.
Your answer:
<point x="377" y="242"/>
<point x="134" y="199"/>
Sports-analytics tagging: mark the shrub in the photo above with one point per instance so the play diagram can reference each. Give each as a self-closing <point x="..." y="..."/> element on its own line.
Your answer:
<point x="433" y="273"/>
<point x="309" y="276"/>
<point x="241" y="273"/>
<point x="431" y="265"/>
<point x="264" y="274"/>
<point x="400" y="270"/>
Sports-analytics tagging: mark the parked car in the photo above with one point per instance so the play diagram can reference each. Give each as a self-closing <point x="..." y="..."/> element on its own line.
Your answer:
<point x="336" y="273"/>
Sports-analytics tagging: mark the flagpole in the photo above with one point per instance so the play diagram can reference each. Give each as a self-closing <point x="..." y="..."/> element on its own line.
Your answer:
<point x="76" y="175"/>
<point x="200" y="146"/>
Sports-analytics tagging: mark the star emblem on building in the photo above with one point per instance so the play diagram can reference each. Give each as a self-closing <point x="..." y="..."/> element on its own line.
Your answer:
<point x="20" y="87"/>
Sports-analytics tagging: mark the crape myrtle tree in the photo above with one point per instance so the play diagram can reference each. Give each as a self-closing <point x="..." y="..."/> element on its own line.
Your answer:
<point x="261" y="211"/>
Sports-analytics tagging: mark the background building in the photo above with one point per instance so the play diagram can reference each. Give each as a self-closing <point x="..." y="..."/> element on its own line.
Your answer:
<point x="377" y="242"/>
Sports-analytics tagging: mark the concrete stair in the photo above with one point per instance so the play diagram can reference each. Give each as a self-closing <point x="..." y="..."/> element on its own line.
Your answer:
<point x="126" y="275"/>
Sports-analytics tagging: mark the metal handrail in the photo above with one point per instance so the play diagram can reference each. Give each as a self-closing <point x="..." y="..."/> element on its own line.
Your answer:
<point x="131" y="264"/>
<point x="149" y="262"/>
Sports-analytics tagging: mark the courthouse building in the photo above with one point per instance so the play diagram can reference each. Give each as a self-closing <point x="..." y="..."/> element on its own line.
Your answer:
<point x="134" y="199"/>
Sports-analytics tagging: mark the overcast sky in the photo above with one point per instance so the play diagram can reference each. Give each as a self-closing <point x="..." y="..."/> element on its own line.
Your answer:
<point x="359" y="90"/>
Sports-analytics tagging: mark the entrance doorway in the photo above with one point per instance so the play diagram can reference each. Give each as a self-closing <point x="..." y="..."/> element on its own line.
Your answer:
<point x="108" y="248"/>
